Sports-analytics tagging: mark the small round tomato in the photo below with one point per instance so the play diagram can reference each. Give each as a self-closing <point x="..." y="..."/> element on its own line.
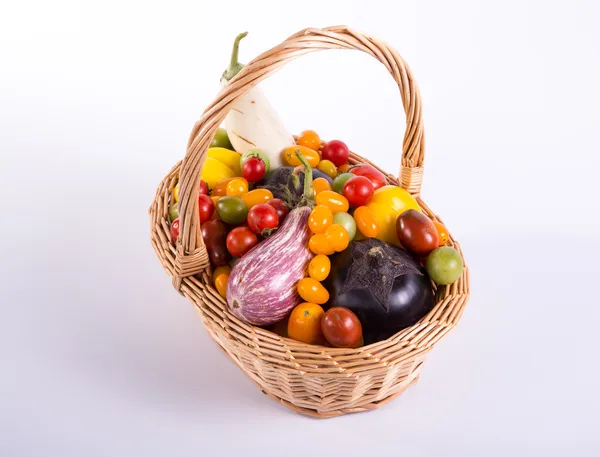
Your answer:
<point x="337" y="237"/>
<point x="305" y="323"/>
<point x="335" y="202"/>
<point x="318" y="244"/>
<point x="174" y="230"/>
<point x="221" y="139"/>
<point x="312" y="157"/>
<point x="341" y="328"/>
<point x="262" y="217"/>
<point x="173" y="212"/>
<point x="236" y="187"/>
<point x="206" y="207"/>
<point x="320" y="218"/>
<point x="319" y="267"/>
<point x="232" y="210"/>
<point x="225" y="269"/>
<point x="336" y="151"/>
<point x="203" y="188"/>
<point x="445" y="265"/>
<point x="340" y="181"/>
<point x="220" y="188"/>
<point x="327" y="167"/>
<point x="312" y="291"/>
<point x="321" y="184"/>
<point x="253" y="169"/>
<point x="257" y="196"/>
<point x="346" y="221"/>
<point x="281" y="208"/>
<point x="366" y="222"/>
<point x="240" y="240"/>
<point x="442" y="232"/>
<point x="221" y="284"/>
<point x="376" y="177"/>
<point x="358" y="190"/>
<point x="309" y="139"/>
<point x="416" y="232"/>
<point x="256" y="153"/>
<point x="214" y="233"/>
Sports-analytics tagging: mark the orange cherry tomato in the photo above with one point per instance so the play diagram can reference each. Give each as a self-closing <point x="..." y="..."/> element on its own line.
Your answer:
<point x="305" y="323"/>
<point x="312" y="291"/>
<point x="321" y="184"/>
<point x="256" y="197"/>
<point x="319" y="267"/>
<point x="220" y="188"/>
<point x="221" y="283"/>
<point x="328" y="167"/>
<point x="338" y="237"/>
<point x="366" y="222"/>
<point x="225" y="269"/>
<point x="335" y="202"/>
<point x="320" y="218"/>
<point x="318" y="244"/>
<point x="343" y="168"/>
<point x="309" y="139"/>
<point x="442" y="232"/>
<point x="310" y="155"/>
<point x="236" y="187"/>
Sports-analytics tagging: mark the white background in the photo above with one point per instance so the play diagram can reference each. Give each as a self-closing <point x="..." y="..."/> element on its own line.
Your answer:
<point x="99" y="356"/>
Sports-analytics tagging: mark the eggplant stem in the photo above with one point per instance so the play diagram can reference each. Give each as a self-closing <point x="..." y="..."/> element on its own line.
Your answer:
<point x="234" y="64"/>
<point x="308" y="197"/>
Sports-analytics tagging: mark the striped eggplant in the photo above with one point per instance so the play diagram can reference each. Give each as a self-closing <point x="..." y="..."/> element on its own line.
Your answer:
<point x="262" y="285"/>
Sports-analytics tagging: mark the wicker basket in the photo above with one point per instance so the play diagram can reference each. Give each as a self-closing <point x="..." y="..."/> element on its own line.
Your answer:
<point x="313" y="380"/>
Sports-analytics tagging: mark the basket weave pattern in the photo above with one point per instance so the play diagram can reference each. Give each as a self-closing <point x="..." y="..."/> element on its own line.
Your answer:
<point x="312" y="380"/>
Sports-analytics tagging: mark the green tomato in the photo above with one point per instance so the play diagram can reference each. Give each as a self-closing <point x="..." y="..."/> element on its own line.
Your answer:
<point x="340" y="180"/>
<point x="221" y="140"/>
<point x="444" y="265"/>
<point x="258" y="153"/>
<point x="232" y="210"/>
<point x="173" y="212"/>
<point x="346" y="221"/>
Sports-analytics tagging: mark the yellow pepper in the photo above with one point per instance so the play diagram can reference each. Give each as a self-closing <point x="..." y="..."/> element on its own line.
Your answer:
<point x="387" y="204"/>
<point x="215" y="171"/>
<point x="228" y="157"/>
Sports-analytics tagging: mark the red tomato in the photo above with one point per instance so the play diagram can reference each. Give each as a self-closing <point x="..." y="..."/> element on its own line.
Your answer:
<point x="203" y="188"/>
<point x="416" y="232"/>
<point x="240" y="240"/>
<point x="253" y="169"/>
<point x="261" y="217"/>
<point x="174" y="230"/>
<point x="358" y="191"/>
<point x="341" y="328"/>
<point x="371" y="173"/>
<point x="335" y="151"/>
<point x="206" y="207"/>
<point x="281" y="208"/>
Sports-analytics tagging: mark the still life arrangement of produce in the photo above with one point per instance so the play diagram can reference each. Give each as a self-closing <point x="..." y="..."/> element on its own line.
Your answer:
<point x="307" y="245"/>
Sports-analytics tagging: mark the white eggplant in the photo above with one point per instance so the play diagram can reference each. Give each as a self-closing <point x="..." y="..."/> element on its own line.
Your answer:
<point x="252" y="122"/>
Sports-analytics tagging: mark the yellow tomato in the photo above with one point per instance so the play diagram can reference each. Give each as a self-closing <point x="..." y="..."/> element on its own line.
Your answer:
<point x="337" y="236"/>
<point x="319" y="267"/>
<point x="320" y="218"/>
<point x="335" y="202"/>
<point x="236" y="187"/>
<point x="220" y="277"/>
<point x="442" y="232"/>
<point x="312" y="291"/>
<point x="311" y="156"/>
<point x="256" y="197"/>
<point x="328" y="167"/>
<point x="387" y="203"/>
<point x="305" y="323"/>
<point x="366" y="222"/>
<point x="225" y="269"/>
<point x="321" y="184"/>
<point x="309" y="139"/>
<point x="220" y="189"/>
<point x="318" y="244"/>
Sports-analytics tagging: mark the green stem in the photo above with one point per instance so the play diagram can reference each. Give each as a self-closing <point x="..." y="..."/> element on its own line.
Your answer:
<point x="234" y="65"/>
<point x="308" y="197"/>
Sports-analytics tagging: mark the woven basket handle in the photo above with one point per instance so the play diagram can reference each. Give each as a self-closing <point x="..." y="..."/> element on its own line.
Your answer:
<point x="191" y="255"/>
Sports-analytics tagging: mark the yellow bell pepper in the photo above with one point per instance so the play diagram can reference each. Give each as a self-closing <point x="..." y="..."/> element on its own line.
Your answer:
<point x="387" y="204"/>
<point x="228" y="157"/>
<point x="215" y="171"/>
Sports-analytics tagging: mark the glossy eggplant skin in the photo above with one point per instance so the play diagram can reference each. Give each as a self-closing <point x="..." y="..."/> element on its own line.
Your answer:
<point x="280" y="179"/>
<point x="411" y="298"/>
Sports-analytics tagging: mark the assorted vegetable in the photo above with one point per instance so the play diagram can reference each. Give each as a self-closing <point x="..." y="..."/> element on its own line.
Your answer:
<point x="303" y="239"/>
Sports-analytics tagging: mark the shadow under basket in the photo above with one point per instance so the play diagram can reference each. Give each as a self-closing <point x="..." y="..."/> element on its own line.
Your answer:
<point x="312" y="380"/>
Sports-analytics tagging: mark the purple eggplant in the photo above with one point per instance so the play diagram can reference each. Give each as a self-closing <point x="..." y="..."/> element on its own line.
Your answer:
<point x="262" y="285"/>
